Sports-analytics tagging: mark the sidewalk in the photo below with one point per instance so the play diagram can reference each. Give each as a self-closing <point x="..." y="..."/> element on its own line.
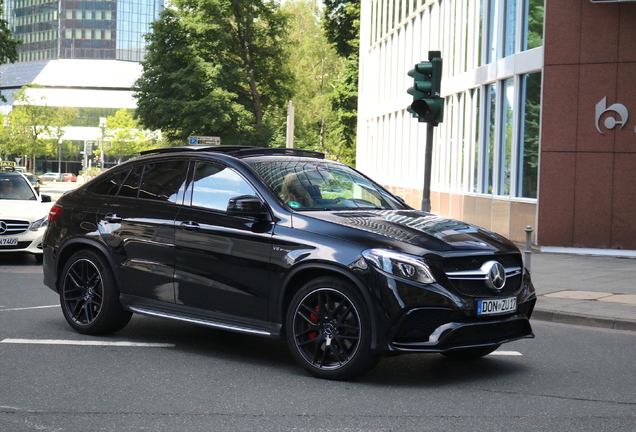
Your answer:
<point x="597" y="291"/>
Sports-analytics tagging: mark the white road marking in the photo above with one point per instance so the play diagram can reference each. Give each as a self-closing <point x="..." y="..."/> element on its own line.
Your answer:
<point x="86" y="343"/>
<point x="29" y="308"/>
<point x="506" y="353"/>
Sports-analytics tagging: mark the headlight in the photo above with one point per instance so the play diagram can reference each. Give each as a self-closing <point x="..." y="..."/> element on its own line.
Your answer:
<point x="40" y="223"/>
<point x="401" y="265"/>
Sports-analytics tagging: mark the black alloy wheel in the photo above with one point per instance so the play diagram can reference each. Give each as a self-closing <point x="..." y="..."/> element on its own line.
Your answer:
<point x="328" y="330"/>
<point x="89" y="296"/>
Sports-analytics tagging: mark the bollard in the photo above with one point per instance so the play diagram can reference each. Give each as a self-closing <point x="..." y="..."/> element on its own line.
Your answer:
<point x="528" y="250"/>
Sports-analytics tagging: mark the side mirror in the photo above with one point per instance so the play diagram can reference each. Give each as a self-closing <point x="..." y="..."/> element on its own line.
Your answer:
<point x="46" y="198"/>
<point x="247" y="205"/>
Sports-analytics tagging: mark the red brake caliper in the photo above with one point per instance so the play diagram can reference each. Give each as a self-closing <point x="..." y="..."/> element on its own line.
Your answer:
<point x="314" y="318"/>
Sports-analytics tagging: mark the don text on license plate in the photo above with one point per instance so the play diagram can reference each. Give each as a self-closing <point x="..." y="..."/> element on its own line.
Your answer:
<point x="8" y="241"/>
<point x="496" y="306"/>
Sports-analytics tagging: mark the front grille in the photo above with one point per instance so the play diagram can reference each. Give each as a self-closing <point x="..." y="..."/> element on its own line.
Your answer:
<point x="14" y="227"/>
<point x="418" y="325"/>
<point x="466" y="263"/>
<point x="472" y="286"/>
<point x="475" y="288"/>
<point x="488" y="333"/>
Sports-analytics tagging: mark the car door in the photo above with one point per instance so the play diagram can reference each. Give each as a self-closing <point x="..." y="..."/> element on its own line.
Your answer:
<point x="138" y="227"/>
<point x="222" y="262"/>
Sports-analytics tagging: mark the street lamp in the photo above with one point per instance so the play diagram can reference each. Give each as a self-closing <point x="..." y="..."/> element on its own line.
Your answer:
<point x="59" y="157"/>
<point x="102" y="126"/>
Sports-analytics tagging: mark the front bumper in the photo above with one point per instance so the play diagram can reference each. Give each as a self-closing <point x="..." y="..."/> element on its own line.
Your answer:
<point x="435" y="318"/>
<point x="30" y="242"/>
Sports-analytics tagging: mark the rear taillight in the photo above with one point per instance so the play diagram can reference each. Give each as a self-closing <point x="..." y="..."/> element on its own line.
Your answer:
<point x="55" y="212"/>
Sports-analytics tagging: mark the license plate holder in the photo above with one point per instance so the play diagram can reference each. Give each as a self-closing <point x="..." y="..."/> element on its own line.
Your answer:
<point x="496" y="306"/>
<point x="8" y="241"/>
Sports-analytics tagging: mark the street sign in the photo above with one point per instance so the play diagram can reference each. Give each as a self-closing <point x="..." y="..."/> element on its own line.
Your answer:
<point x="204" y="140"/>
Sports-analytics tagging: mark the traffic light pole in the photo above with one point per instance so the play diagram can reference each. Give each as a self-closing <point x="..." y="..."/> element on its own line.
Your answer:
<point x="428" y="162"/>
<point x="427" y="107"/>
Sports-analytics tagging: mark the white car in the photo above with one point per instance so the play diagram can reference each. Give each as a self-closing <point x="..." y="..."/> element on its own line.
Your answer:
<point x="23" y="217"/>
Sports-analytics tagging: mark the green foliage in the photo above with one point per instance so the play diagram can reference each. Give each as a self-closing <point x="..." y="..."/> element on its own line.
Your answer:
<point x="8" y="45"/>
<point x="316" y="66"/>
<point x="342" y="26"/>
<point x="122" y="136"/>
<point x="216" y="67"/>
<point x="34" y="127"/>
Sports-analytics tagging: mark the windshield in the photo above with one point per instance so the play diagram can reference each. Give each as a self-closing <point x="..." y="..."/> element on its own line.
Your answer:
<point x="15" y="187"/>
<point x="310" y="184"/>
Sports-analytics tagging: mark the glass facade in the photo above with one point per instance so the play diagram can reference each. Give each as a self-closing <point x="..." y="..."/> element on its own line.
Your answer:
<point x="81" y="29"/>
<point x="487" y="146"/>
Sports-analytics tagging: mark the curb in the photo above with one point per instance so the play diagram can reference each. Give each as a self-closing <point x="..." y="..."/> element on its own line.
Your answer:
<point x="584" y="320"/>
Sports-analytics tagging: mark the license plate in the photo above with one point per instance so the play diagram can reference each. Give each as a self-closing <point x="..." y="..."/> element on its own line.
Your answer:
<point x="11" y="241"/>
<point x="498" y="306"/>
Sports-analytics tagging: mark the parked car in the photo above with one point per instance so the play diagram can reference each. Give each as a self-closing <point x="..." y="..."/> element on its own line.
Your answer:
<point x="33" y="180"/>
<point x="68" y="177"/>
<point x="23" y="218"/>
<point x="50" y="176"/>
<point x="285" y="244"/>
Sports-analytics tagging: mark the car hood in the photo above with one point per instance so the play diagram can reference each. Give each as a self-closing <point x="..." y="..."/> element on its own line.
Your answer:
<point x="31" y="210"/>
<point x="420" y="229"/>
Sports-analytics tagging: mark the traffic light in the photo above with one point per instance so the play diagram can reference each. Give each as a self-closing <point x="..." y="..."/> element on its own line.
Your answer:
<point x="427" y="105"/>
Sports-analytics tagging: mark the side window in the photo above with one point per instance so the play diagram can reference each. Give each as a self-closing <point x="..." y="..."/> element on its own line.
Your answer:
<point x="214" y="185"/>
<point x="162" y="181"/>
<point x="110" y="185"/>
<point x="131" y="185"/>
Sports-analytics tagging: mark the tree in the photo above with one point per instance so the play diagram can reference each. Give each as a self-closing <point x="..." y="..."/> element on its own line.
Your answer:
<point x="123" y="136"/>
<point x="342" y="27"/>
<point x="316" y="66"/>
<point x="216" y="67"/>
<point x="35" y="127"/>
<point x="8" y="45"/>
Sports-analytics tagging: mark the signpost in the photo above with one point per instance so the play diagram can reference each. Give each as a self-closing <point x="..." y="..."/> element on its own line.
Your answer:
<point x="204" y="140"/>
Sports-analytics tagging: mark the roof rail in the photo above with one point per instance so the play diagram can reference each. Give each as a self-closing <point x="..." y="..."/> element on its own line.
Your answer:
<point x="213" y="148"/>
<point x="239" y="151"/>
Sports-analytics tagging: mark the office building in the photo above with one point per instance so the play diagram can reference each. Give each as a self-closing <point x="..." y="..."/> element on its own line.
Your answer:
<point x="536" y="129"/>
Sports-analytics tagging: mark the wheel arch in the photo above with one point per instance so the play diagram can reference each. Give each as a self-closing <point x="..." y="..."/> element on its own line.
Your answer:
<point x="75" y="245"/>
<point x="307" y="272"/>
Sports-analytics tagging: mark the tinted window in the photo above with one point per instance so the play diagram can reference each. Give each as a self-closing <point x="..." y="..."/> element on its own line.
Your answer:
<point x="322" y="185"/>
<point x="110" y="185"/>
<point x="163" y="180"/>
<point x="214" y="185"/>
<point x="131" y="185"/>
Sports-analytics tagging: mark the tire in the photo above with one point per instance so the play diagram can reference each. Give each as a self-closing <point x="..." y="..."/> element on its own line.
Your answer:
<point x="470" y="353"/>
<point x="329" y="330"/>
<point x="89" y="295"/>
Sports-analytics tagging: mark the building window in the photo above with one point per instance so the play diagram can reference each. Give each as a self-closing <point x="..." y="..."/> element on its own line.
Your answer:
<point x="475" y="166"/>
<point x="504" y="149"/>
<point x="510" y="27"/>
<point x="533" y="24"/>
<point x="488" y="156"/>
<point x="529" y="135"/>
<point x="493" y="31"/>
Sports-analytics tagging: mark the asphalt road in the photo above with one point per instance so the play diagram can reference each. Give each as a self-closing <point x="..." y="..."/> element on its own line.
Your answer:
<point x="179" y="377"/>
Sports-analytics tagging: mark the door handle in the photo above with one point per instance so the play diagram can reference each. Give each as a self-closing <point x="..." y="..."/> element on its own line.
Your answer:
<point x="112" y="218"/>
<point x="189" y="226"/>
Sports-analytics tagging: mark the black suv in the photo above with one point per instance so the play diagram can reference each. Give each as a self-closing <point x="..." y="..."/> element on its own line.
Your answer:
<point x="286" y="244"/>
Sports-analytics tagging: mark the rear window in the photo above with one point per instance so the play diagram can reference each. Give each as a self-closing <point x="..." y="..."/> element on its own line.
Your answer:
<point x="109" y="185"/>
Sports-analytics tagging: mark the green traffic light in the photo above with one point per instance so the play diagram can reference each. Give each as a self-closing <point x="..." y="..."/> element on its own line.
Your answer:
<point x="427" y="104"/>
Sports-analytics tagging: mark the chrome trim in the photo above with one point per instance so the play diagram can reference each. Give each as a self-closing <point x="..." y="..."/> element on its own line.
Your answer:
<point x="481" y="274"/>
<point x="198" y="321"/>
